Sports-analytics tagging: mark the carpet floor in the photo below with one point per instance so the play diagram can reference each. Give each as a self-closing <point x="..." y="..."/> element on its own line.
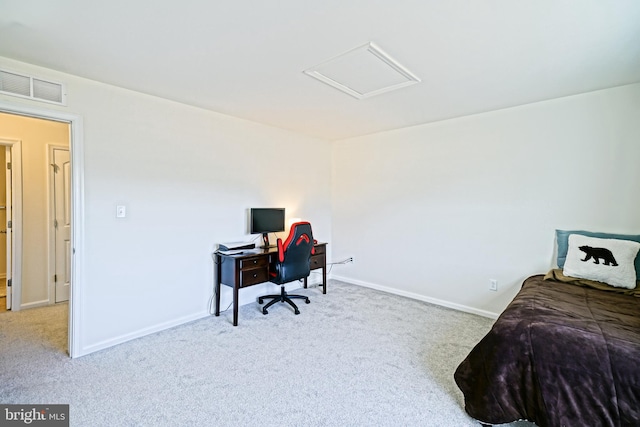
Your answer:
<point x="353" y="357"/>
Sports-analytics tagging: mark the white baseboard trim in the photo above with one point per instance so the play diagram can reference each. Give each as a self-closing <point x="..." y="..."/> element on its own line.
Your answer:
<point x="418" y="297"/>
<point x="34" y="304"/>
<point x="84" y="350"/>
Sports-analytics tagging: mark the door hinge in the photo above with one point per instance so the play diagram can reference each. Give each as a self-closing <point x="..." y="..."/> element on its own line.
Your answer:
<point x="9" y="282"/>
<point x="9" y="165"/>
<point x="55" y="223"/>
<point x="8" y="224"/>
<point x="55" y="278"/>
<point x="55" y="167"/>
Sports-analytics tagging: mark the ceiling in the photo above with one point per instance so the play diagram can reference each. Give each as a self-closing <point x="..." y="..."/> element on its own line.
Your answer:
<point x="247" y="58"/>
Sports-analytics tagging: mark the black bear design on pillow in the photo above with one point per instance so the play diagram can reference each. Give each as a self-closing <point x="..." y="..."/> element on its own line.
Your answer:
<point x="596" y="253"/>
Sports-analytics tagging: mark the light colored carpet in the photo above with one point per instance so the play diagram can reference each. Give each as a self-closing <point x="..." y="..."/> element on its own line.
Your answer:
<point x="353" y="357"/>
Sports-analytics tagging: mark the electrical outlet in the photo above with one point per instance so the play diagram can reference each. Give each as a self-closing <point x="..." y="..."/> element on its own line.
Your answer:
<point x="493" y="285"/>
<point x="350" y="259"/>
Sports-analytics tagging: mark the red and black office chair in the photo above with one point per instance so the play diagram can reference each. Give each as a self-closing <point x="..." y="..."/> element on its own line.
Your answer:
<point x="292" y="263"/>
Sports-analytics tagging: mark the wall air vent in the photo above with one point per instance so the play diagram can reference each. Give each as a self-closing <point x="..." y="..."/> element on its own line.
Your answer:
<point x="363" y="72"/>
<point x="32" y="88"/>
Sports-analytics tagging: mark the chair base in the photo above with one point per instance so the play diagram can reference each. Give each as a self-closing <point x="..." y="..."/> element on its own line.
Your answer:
<point x="283" y="297"/>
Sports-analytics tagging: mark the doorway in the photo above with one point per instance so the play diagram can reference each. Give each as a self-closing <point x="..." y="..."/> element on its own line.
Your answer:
<point x="60" y="223"/>
<point x="75" y="241"/>
<point x="31" y="220"/>
<point x="5" y="239"/>
<point x="10" y="219"/>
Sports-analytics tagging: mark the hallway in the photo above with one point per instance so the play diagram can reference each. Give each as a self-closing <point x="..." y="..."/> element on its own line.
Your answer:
<point x="3" y="295"/>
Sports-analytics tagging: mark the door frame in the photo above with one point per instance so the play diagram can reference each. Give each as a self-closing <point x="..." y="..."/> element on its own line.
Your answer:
<point x="76" y="151"/>
<point x="51" y="257"/>
<point x="15" y="265"/>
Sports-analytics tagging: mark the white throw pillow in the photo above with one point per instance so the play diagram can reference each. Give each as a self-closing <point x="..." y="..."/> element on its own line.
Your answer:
<point x="605" y="260"/>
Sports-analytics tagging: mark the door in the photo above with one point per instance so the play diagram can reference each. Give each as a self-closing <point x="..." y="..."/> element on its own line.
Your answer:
<point x="8" y="211"/>
<point x="62" y="222"/>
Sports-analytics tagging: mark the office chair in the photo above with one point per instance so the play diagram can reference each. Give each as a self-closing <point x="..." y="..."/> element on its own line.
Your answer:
<point x="292" y="263"/>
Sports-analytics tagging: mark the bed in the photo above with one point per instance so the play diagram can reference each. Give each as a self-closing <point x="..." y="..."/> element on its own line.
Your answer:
<point x="561" y="354"/>
<point x="566" y="350"/>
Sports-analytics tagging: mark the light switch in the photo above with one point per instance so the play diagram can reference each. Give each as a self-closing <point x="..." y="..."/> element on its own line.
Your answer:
<point x="121" y="211"/>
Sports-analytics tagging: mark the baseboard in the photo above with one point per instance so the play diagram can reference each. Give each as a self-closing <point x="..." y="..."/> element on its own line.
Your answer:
<point x="34" y="304"/>
<point x="186" y="319"/>
<point x="418" y="297"/>
<point x="245" y="298"/>
<point x="140" y="333"/>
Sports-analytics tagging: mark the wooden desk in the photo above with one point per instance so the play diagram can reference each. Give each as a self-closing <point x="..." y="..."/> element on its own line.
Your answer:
<point x="252" y="267"/>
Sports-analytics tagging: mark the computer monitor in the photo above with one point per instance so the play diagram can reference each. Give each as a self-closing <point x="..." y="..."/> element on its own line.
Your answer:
<point x="266" y="220"/>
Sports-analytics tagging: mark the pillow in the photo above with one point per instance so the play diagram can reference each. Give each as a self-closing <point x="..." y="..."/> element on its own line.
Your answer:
<point x="562" y="237"/>
<point x="604" y="260"/>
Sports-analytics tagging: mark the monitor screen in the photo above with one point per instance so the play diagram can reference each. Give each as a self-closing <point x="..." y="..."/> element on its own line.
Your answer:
<point x="266" y="220"/>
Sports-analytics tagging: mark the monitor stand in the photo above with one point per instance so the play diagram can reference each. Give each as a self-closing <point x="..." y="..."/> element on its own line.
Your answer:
<point x="265" y="241"/>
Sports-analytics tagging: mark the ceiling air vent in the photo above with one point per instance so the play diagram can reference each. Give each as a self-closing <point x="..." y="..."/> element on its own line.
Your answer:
<point x="31" y="87"/>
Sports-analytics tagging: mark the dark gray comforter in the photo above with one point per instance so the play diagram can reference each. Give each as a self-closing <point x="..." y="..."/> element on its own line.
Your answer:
<point x="559" y="355"/>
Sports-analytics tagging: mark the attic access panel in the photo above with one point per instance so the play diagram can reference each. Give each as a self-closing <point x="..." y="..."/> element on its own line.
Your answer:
<point x="363" y="72"/>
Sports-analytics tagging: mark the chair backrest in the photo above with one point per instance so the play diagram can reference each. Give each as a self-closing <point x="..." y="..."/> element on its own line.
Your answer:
<point x="294" y="254"/>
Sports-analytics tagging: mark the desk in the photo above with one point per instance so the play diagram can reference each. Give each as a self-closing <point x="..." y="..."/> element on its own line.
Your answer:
<point x="252" y="267"/>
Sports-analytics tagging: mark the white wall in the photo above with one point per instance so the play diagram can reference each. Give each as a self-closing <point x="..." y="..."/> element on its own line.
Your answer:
<point x="431" y="211"/>
<point x="187" y="177"/>
<point x="436" y="211"/>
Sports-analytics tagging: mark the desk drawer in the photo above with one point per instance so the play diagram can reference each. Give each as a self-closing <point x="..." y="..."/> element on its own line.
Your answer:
<point x="253" y="276"/>
<point x="317" y="261"/>
<point x="320" y="249"/>
<point x="254" y="263"/>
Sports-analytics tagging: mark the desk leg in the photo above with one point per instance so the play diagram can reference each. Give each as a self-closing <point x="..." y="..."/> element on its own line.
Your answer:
<point x="235" y="305"/>
<point x="217" y="282"/>
<point x="324" y="279"/>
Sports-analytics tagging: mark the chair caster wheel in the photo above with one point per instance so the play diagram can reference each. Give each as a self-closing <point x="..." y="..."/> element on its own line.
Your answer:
<point x="297" y="312"/>
<point x="260" y="300"/>
<point x="264" y="311"/>
<point x="307" y="301"/>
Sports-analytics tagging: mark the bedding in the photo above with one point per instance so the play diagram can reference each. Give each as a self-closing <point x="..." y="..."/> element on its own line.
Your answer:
<point x="559" y="355"/>
<point x="556" y="274"/>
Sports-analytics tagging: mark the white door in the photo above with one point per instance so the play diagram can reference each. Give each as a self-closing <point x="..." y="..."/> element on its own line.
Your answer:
<point x="62" y="221"/>
<point x="8" y="204"/>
